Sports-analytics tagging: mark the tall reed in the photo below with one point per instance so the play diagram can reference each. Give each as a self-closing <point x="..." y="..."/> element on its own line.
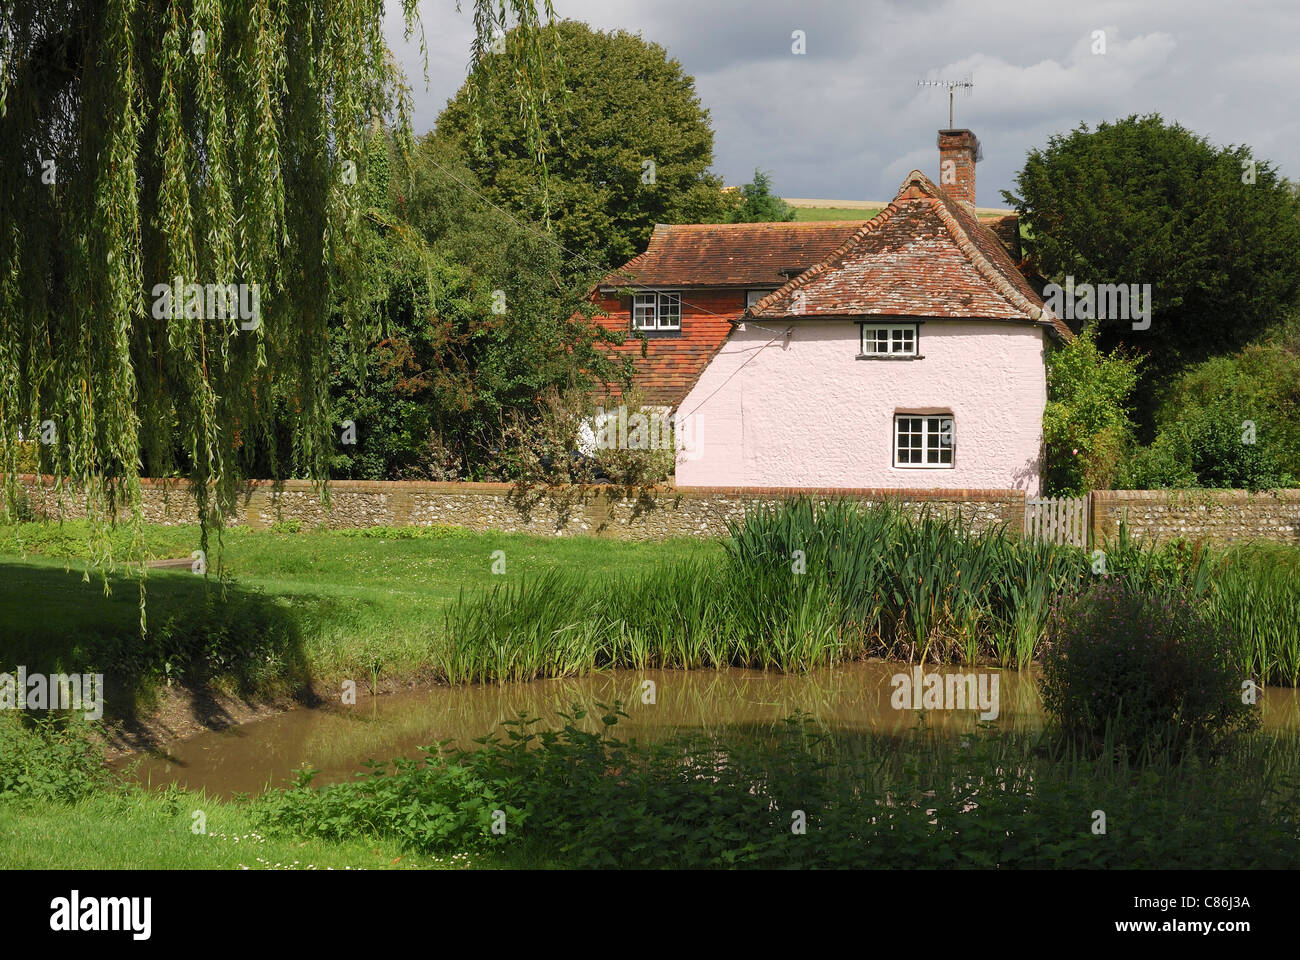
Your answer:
<point x="805" y="584"/>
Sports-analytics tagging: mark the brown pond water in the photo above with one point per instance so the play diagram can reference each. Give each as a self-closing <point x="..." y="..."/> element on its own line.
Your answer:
<point x="337" y="740"/>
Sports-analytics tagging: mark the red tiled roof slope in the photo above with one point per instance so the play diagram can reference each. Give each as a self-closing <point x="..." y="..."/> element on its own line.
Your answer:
<point x="731" y="254"/>
<point x="925" y="255"/>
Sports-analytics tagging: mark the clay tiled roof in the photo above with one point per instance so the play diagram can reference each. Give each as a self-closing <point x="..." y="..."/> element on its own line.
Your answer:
<point x="731" y="254"/>
<point x="925" y="255"/>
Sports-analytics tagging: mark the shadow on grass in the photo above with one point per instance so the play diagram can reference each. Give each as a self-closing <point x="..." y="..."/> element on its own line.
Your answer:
<point x="203" y="640"/>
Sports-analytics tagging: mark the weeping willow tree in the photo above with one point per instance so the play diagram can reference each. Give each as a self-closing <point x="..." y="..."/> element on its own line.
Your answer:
<point x="180" y="184"/>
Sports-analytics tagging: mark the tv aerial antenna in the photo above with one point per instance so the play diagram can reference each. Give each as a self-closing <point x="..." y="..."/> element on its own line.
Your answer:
<point x="966" y="84"/>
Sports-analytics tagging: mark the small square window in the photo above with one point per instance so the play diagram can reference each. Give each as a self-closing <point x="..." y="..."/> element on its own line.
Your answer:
<point x="923" y="441"/>
<point x="889" y="339"/>
<point x="657" y="311"/>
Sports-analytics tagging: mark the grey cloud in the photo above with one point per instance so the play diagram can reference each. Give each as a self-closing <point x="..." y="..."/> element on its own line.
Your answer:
<point x="847" y="120"/>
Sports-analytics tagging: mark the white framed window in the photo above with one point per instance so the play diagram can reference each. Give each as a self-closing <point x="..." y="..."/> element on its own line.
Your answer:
<point x="753" y="296"/>
<point x="923" y="440"/>
<point x="657" y="311"/>
<point x="889" y="339"/>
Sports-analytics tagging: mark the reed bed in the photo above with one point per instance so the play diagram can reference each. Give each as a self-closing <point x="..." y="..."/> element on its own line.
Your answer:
<point x="804" y="585"/>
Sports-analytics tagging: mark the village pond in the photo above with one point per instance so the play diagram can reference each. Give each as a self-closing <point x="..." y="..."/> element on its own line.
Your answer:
<point x="875" y="698"/>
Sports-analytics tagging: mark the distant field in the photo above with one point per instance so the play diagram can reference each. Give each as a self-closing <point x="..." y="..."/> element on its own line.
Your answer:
<point x="859" y="210"/>
<point x="832" y="213"/>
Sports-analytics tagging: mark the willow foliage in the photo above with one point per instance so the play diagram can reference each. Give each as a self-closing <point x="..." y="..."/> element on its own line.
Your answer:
<point x="147" y="146"/>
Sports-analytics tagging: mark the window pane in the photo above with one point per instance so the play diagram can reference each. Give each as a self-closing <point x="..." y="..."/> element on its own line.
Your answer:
<point x="923" y="441"/>
<point x="643" y="311"/>
<point x="889" y="339"/>
<point x="909" y="440"/>
<point x="670" y="310"/>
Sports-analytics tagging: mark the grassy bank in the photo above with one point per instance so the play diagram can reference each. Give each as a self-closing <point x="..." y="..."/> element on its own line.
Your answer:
<point x="774" y="796"/>
<point x="293" y="606"/>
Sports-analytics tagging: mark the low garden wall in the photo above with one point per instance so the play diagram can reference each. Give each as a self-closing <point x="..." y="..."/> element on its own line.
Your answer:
<point x="653" y="513"/>
<point x="1221" y="516"/>
<point x="656" y="513"/>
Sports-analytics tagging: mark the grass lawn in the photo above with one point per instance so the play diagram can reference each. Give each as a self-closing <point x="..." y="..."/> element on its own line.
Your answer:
<point x="138" y="831"/>
<point x="352" y="597"/>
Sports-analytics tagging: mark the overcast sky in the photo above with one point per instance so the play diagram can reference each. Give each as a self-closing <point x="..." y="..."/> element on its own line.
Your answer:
<point x="847" y="120"/>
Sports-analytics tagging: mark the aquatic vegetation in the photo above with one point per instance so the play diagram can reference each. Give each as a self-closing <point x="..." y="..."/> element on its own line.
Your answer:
<point x="803" y="585"/>
<point x="794" y="797"/>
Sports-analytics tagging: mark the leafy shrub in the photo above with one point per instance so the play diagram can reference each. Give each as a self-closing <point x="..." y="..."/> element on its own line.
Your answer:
<point x="1210" y="450"/>
<point x="1086" y="425"/>
<point x="235" y="639"/>
<point x="1260" y="383"/>
<point x="20" y="511"/>
<point x="29" y="457"/>
<point x="432" y="805"/>
<point x="243" y="638"/>
<point x="49" y="759"/>
<point x="559" y="445"/>
<point x="1122" y="667"/>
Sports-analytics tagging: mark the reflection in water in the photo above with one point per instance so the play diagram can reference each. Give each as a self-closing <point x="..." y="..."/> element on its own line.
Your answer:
<point x="337" y="740"/>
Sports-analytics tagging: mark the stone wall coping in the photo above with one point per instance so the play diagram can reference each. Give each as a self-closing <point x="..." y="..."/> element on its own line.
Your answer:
<point x="468" y="486"/>
<point x="668" y="510"/>
<point x="1165" y="496"/>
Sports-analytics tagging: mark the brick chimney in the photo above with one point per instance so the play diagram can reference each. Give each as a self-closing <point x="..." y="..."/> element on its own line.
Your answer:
<point x="959" y="151"/>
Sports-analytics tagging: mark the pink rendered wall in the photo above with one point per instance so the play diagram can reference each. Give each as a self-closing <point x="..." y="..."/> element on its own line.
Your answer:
<point x="808" y="414"/>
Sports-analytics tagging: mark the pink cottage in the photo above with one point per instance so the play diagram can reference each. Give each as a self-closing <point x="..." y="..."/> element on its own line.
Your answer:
<point x="909" y="356"/>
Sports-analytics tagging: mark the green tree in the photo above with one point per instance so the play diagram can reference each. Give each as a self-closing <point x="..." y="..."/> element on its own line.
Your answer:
<point x="218" y="141"/>
<point x="467" y="327"/>
<point x="1140" y="201"/>
<point x="630" y="146"/>
<point x="1211" y="449"/>
<point x="1259" y="385"/>
<point x="1230" y="421"/>
<point x="1086" y="425"/>
<point x="759" y="204"/>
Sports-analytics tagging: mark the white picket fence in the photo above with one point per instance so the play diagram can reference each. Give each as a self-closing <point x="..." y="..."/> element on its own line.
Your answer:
<point x="1057" y="519"/>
